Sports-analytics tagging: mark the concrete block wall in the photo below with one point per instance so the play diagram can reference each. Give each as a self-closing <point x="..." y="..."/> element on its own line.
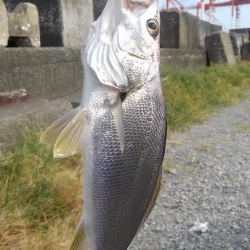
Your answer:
<point x="206" y="29"/>
<point x="240" y="39"/>
<point x="219" y="48"/>
<point x="246" y="52"/>
<point x="77" y="16"/>
<point x="98" y="6"/>
<point x="184" y="30"/>
<point x="24" y="25"/>
<point x="50" y="73"/>
<point x="170" y="35"/>
<point x="49" y="18"/>
<point x="4" y="27"/>
<point x="20" y="27"/>
<point x="46" y="73"/>
<point x="62" y="22"/>
<point x="189" y="31"/>
<point x="187" y="59"/>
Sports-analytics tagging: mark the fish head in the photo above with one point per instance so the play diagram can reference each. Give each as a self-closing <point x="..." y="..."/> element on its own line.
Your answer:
<point x="138" y="41"/>
<point x="123" y="44"/>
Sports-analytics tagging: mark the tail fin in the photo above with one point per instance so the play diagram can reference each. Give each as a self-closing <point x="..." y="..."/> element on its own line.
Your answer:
<point x="66" y="133"/>
<point x="80" y="241"/>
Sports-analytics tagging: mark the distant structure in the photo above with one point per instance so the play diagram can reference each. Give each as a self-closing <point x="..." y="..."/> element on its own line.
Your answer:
<point x="244" y="33"/>
<point x="207" y="8"/>
<point x="242" y="41"/>
<point x="62" y="22"/>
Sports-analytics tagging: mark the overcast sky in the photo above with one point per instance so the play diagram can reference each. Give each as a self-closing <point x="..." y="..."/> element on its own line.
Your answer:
<point x="223" y="14"/>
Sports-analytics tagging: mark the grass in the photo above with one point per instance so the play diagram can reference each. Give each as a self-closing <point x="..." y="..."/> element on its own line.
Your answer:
<point x="40" y="198"/>
<point x="191" y="97"/>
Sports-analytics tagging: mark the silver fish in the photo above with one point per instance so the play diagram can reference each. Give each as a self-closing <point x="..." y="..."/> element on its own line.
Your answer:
<point x="120" y="125"/>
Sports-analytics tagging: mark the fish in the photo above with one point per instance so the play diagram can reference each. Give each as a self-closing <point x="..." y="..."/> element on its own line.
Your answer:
<point x="120" y="125"/>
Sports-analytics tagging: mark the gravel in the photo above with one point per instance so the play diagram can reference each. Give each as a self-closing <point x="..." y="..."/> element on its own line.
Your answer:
<point x="206" y="186"/>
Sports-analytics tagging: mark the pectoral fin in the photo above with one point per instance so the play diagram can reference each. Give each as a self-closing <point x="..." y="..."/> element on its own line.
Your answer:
<point x="116" y="110"/>
<point x="53" y="131"/>
<point x="80" y="241"/>
<point x="69" y="142"/>
<point x="66" y="133"/>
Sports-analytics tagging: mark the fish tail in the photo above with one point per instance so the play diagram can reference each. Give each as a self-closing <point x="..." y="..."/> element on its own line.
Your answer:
<point x="80" y="241"/>
<point x="66" y="133"/>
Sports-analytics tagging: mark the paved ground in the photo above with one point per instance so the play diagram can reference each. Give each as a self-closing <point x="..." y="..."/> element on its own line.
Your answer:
<point x="32" y="113"/>
<point x="209" y="183"/>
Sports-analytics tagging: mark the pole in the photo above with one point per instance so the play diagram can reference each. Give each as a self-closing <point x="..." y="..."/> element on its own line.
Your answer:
<point x="233" y="16"/>
<point x="202" y="10"/>
<point x="210" y="10"/>
<point x="167" y="5"/>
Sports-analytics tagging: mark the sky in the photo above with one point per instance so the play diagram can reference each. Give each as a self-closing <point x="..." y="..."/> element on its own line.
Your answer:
<point x="223" y="14"/>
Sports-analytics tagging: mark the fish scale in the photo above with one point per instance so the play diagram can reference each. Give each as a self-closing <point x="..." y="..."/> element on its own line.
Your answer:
<point x="124" y="183"/>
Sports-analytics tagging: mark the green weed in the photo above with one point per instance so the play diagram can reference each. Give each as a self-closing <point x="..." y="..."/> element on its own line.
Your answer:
<point x="191" y="96"/>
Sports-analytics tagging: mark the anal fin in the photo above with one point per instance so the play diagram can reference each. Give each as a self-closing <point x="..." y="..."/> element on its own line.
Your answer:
<point x="153" y="199"/>
<point x="80" y="241"/>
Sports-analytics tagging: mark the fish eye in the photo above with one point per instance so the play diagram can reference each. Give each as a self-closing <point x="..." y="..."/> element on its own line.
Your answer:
<point x="153" y="27"/>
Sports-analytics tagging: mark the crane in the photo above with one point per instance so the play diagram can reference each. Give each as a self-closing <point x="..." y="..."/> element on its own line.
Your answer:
<point x="177" y="4"/>
<point x="208" y="8"/>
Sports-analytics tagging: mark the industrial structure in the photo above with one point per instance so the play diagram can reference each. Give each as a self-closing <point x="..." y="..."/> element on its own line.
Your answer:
<point x="204" y="9"/>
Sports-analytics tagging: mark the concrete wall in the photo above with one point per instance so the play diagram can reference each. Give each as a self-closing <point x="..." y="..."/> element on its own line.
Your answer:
<point x="98" y="6"/>
<point x="51" y="73"/>
<point x="19" y="28"/>
<point x="4" y="26"/>
<point x="219" y="48"/>
<point x="77" y="17"/>
<point x="45" y="72"/>
<point x="206" y="29"/>
<point x="240" y="38"/>
<point x="184" y="30"/>
<point x="189" y="31"/>
<point x="183" y="58"/>
<point x="62" y="22"/>
<point x="245" y="32"/>
<point x="170" y="34"/>
<point x="246" y="52"/>
<point x="50" y="20"/>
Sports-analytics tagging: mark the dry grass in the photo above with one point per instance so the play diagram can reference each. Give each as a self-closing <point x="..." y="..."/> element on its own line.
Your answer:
<point x="40" y="198"/>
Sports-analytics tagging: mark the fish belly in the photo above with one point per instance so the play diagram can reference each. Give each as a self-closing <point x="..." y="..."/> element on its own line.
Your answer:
<point x="118" y="187"/>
